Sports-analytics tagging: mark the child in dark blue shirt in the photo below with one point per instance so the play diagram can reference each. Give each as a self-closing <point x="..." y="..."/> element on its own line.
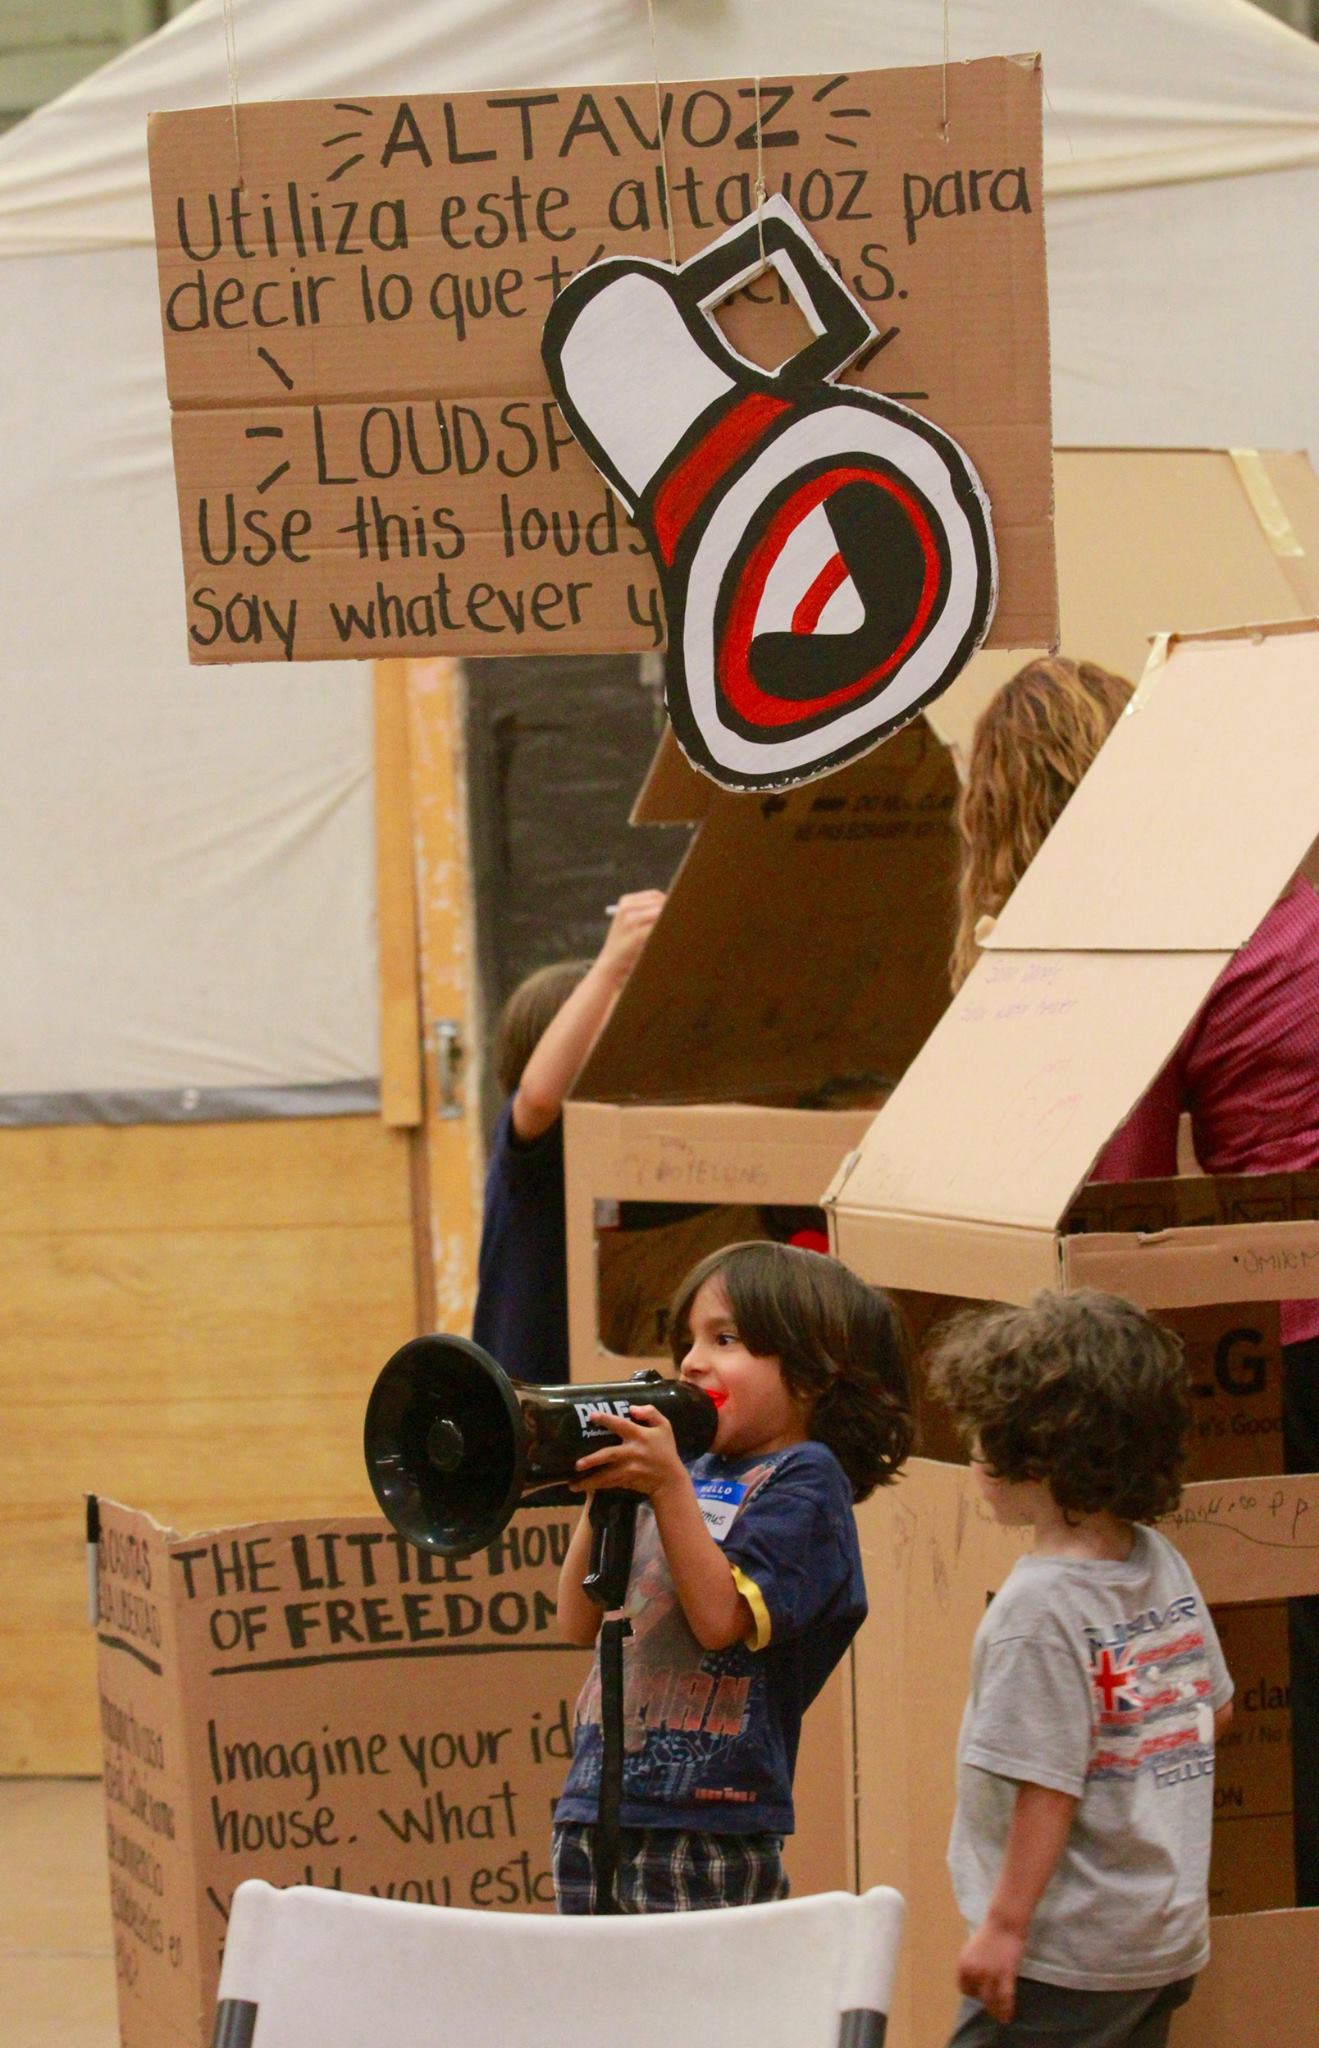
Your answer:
<point x="746" y="1586"/>
<point x="548" y="1026"/>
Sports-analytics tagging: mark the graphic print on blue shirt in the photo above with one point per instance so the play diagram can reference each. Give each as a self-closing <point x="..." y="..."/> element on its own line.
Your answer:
<point x="1151" y="1690"/>
<point x="711" y="1736"/>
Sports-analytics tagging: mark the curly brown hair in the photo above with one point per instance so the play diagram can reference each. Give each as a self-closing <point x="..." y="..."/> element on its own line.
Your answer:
<point x="1081" y="1390"/>
<point x="840" y="1345"/>
<point x="1032" y="744"/>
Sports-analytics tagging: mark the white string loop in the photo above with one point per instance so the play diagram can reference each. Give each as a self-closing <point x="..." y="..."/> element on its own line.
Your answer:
<point x="659" y="136"/>
<point x="231" y="61"/>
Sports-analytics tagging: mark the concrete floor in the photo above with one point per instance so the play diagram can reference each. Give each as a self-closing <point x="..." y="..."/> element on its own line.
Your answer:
<point x="57" y="1984"/>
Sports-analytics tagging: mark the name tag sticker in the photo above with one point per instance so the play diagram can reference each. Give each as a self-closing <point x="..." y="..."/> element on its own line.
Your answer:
<point x="719" y="1500"/>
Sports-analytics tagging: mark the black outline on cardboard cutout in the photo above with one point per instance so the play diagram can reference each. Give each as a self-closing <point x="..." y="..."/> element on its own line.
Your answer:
<point x="775" y="422"/>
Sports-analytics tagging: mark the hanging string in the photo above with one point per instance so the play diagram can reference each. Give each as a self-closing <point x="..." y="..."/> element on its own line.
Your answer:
<point x="659" y="133"/>
<point x="760" y="179"/>
<point x="231" y="59"/>
<point x="947" y="4"/>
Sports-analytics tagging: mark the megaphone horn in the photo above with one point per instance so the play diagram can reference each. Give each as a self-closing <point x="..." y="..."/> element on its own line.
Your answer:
<point x="453" y="1445"/>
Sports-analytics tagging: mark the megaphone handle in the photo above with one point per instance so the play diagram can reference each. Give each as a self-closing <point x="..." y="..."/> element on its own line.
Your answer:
<point x="614" y="1527"/>
<point x="841" y="325"/>
<point x="613" y="1634"/>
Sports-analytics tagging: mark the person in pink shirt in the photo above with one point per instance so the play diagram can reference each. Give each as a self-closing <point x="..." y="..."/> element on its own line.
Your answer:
<point x="1246" y="1071"/>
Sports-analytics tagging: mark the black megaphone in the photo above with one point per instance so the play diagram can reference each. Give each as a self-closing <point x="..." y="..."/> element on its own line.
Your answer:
<point x="454" y="1446"/>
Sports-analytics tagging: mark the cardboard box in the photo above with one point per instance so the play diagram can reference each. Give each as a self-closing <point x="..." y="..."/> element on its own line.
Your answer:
<point x="1251" y="1869"/>
<point x="318" y="1703"/>
<point x="824" y="960"/>
<point x="353" y="294"/>
<point x="684" y="1100"/>
<point x="970" y="1184"/>
<point x="933" y="1556"/>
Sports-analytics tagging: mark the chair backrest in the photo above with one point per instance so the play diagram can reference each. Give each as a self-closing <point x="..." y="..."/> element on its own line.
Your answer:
<point x="341" y="1971"/>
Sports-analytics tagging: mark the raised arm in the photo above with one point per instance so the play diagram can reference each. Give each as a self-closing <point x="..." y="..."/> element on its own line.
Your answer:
<point x="567" y="1039"/>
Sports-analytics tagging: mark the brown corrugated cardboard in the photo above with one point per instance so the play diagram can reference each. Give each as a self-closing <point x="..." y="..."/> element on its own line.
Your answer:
<point x="1194" y="743"/>
<point x="1126" y="572"/>
<point x="933" y="1555"/>
<point x="823" y="963"/>
<point x="1258" y="1986"/>
<point x="353" y="294"/>
<point x="318" y="1703"/>
<point x="970" y="1188"/>
<point x="1042" y="1054"/>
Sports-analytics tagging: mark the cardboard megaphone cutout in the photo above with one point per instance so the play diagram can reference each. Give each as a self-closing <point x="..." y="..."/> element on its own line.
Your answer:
<point x="453" y="1446"/>
<point x="826" y="556"/>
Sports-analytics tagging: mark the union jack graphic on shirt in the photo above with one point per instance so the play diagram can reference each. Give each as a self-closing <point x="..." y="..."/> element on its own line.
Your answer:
<point x="1150" y="1684"/>
<point x="1116" y="1681"/>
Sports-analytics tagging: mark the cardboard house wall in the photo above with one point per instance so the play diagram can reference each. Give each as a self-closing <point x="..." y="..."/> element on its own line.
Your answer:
<point x="674" y="1111"/>
<point x="805" y="939"/>
<point x="969" y="1185"/>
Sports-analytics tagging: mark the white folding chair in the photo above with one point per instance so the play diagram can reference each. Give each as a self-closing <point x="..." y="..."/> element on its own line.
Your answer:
<point x="306" y="1968"/>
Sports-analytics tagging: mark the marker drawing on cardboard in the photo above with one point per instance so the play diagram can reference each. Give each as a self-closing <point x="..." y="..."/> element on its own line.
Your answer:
<point x="826" y="556"/>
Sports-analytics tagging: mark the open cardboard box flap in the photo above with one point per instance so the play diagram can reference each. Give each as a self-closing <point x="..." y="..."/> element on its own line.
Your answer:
<point x="805" y="939"/>
<point x="1201" y="805"/>
<point x="1043" y="1053"/>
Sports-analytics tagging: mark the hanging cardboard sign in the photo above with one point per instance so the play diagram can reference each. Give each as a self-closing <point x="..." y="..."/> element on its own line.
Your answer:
<point x="369" y="459"/>
<point x="826" y="558"/>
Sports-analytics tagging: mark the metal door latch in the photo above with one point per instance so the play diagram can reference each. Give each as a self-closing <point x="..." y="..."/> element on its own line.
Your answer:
<point x="449" y="1056"/>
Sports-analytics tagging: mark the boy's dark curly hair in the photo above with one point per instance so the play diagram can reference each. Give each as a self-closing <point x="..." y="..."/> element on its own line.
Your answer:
<point x="840" y="1344"/>
<point x="1082" y="1390"/>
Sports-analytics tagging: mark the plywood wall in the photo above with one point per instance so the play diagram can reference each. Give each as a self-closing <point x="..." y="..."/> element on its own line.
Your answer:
<point x="190" y="1322"/>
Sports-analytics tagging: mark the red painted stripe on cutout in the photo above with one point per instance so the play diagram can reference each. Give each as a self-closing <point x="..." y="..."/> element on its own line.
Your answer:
<point x="687" y="487"/>
<point x="807" y="615"/>
<point x="740" y="688"/>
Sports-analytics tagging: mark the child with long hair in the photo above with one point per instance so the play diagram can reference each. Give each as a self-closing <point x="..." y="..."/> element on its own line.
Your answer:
<point x="1085" y="1791"/>
<point x="1031" y="747"/>
<point x="746" y="1584"/>
<point x="1246" y="1071"/>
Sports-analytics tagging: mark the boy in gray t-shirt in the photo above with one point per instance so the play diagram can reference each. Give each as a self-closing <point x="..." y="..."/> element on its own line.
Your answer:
<point x="1080" y="1848"/>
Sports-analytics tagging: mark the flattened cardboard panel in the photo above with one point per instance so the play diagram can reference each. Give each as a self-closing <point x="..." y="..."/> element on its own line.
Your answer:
<point x="147" y="1781"/>
<point x="318" y="1703"/>
<point x="1258" y="1984"/>
<point x="1218" y="1262"/>
<point x="673" y="793"/>
<point x="1215" y="758"/>
<point x="1124" y="572"/>
<point x="976" y="1261"/>
<point x="805" y="940"/>
<point x="1024" y="1079"/>
<point x="367" y="458"/>
<point x="1250" y="1539"/>
<point x="738" y="1158"/>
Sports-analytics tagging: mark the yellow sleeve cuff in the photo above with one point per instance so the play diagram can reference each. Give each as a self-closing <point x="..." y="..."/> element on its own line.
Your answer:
<point x="762" y="1628"/>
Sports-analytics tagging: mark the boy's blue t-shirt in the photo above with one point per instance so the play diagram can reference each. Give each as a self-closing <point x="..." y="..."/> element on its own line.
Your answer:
<point x="521" y="1315"/>
<point x="711" y="1735"/>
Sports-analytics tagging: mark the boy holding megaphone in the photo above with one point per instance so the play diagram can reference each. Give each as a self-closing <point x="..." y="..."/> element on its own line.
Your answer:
<point x="746" y="1585"/>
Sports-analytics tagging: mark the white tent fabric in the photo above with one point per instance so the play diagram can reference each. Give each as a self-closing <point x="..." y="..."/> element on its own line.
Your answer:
<point x="187" y="925"/>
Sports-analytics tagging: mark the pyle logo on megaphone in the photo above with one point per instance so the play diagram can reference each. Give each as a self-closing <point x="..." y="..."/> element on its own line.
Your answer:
<point x="826" y="556"/>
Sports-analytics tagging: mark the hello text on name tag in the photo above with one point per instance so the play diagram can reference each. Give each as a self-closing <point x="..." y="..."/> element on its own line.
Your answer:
<point x="719" y="1501"/>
